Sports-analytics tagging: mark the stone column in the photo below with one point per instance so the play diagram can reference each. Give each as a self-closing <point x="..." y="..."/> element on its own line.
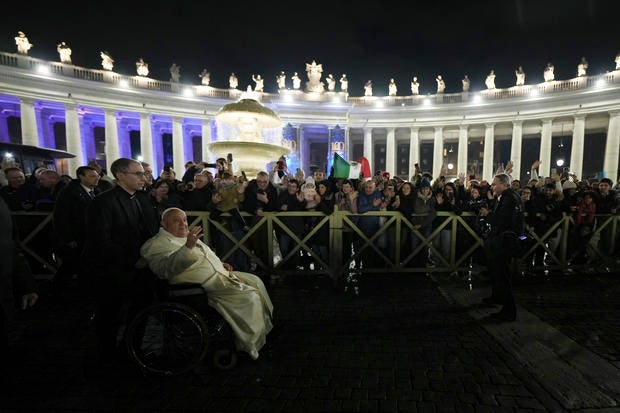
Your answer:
<point x="612" y="147"/>
<point x="4" y="128"/>
<point x="488" y="169"/>
<point x="462" y="152"/>
<point x="347" y="144"/>
<point x="111" y="139"/>
<point x="178" y="150"/>
<point x="368" y="149"/>
<point x="414" y="150"/>
<point x="545" y="149"/>
<point x="438" y="152"/>
<point x="515" y="148"/>
<point x="74" y="140"/>
<point x="576" y="152"/>
<point x="30" y="135"/>
<point x="390" y="152"/>
<point x="146" y="139"/>
<point x="206" y="140"/>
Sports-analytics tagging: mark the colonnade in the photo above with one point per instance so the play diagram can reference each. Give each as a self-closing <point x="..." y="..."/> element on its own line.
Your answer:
<point x="118" y="124"/>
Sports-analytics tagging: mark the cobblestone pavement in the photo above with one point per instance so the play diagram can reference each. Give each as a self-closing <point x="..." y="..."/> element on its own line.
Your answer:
<point x="406" y="343"/>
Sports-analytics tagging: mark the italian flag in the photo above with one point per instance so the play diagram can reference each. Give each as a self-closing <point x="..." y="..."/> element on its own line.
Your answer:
<point x="351" y="170"/>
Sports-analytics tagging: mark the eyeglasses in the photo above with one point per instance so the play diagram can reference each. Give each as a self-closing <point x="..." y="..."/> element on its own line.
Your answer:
<point x="138" y="174"/>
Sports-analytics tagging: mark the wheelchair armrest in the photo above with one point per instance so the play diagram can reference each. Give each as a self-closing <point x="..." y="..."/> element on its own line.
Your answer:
<point x="183" y="289"/>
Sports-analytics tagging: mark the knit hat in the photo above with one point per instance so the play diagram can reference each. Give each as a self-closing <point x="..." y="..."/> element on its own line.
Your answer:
<point x="310" y="180"/>
<point x="569" y="185"/>
<point x="425" y="183"/>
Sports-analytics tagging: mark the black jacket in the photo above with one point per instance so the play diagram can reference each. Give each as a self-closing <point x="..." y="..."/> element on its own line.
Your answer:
<point x="69" y="216"/>
<point x="113" y="236"/>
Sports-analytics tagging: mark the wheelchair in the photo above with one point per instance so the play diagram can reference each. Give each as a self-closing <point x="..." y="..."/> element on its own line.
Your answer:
<point x="178" y="332"/>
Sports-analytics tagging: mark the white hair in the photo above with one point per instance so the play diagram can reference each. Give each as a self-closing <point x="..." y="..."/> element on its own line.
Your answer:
<point x="168" y="210"/>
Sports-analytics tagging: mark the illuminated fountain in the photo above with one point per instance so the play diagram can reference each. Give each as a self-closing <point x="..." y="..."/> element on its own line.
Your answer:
<point x="251" y="132"/>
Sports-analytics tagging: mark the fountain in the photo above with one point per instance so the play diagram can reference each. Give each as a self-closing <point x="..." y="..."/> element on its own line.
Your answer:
<point x="244" y="137"/>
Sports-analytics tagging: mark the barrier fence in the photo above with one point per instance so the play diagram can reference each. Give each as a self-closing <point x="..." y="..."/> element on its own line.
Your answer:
<point x="336" y="244"/>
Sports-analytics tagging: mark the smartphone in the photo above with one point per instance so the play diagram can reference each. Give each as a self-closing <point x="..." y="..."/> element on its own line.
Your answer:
<point x="554" y="171"/>
<point x="245" y="178"/>
<point x="229" y="157"/>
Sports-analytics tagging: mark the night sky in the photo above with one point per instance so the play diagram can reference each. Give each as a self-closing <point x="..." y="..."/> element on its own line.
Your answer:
<point x="373" y="41"/>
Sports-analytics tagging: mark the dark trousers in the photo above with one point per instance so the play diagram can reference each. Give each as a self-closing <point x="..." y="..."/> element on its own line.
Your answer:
<point x="498" y="258"/>
<point x="119" y="297"/>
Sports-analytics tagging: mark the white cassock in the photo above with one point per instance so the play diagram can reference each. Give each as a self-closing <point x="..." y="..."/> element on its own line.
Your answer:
<point x="240" y="297"/>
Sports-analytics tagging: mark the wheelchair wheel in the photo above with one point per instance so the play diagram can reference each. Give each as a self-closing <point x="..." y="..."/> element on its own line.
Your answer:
<point x="167" y="339"/>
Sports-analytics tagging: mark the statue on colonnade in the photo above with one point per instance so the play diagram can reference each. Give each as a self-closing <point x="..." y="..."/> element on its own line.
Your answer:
<point x="233" y="82"/>
<point x="314" y="71"/>
<point x="296" y="81"/>
<point x="617" y="61"/>
<point x="106" y="61"/>
<point x="344" y="83"/>
<point x="205" y="77"/>
<point x="490" y="81"/>
<point x="65" y="52"/>
<point x="392" y="89"/>
<point x="415" y="86"/>
<point x="582" y="67"/>
<point x="466" y="83"/>
<point x="175" y="73"/>
<point x="259" y="83"/>
<point x="441" y="85"/>
<point x="23" y="45"/>
<point x="281" y="80"/>
<point x="520" y="74"/>
<point x="331" y="82"/>
<point x="142" y="68"/>
<point x="368" y="88"/>
<point x="548" y="73"/>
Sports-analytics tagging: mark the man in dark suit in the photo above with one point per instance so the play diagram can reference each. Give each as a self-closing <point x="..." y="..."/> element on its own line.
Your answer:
<point x="507" y="224"/>
<point x="69" y="222"/>
<point x="118" y="222"/>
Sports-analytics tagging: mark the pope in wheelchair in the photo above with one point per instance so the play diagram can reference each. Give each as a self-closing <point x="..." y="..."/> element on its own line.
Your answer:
<point x="177" y="255"/>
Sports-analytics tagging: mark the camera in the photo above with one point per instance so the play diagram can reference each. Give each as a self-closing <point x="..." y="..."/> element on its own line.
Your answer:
<point x="260" y="191"/>
<point x="167" y="167"/>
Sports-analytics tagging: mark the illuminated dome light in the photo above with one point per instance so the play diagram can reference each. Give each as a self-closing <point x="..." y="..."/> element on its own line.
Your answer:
<point x="188" y="92"/>
<point x="402" y="104"/>
<point x="600" y="83"/>
<point x="123" y="83"/>
<point x="287" y="97"/>
<point x="426" y="102"/>
<point x="477" y="98"/>
<point x="534" y="92"/>
<point x="379" y="104"/>
<point x="450" y="166"/>
<point x="43" y="69"/>
<point x="559" y="163"/>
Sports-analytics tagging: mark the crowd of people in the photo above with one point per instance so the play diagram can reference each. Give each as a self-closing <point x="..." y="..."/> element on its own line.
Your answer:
<point x="101" y="224"/>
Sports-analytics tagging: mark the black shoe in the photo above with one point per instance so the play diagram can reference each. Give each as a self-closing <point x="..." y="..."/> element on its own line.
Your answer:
<point x="491" y="301"/>
<point x="504" y="316"/>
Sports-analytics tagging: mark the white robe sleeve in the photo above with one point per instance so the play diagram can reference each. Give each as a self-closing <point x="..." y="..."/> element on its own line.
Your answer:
<point x="167" y="259"/>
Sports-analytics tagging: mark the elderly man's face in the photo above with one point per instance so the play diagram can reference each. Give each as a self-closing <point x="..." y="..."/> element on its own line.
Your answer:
<point x="16" y="179"/>
<point x="369" y="188"/>
<point x="175" y="222"/>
